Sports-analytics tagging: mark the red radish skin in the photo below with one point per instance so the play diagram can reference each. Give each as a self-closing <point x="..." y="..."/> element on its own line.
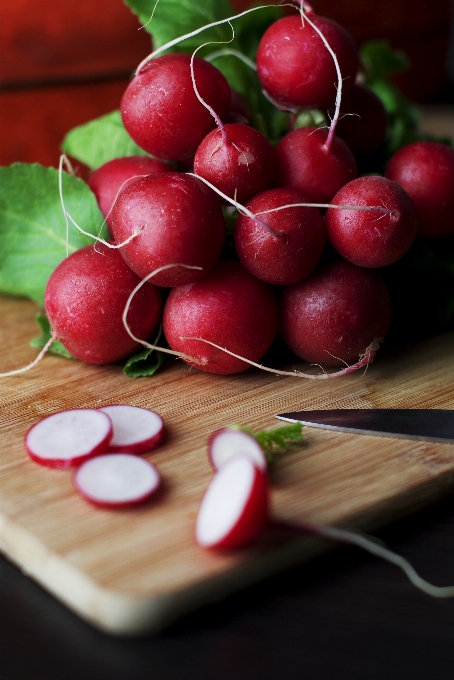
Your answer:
<point x="294" y="66"/>
<point x="426" y="171"/>
<point x="363" y="120"/>
<point x="238" y="160"/>
<point x="370" y="238"/>
<point x="114" y="176"/>
<point x="228" y="442"/>
<point x="307" y="165"/>
<point x="180" y="221"/>
<point x="135" y="430"/>
<point x="334" y="315"/>
<point x="160" y="109"/>
<point x="68" y="438"/>
<point x="234" y="509"/>
<point x="84" y="301"/>
<point x="291" y="248"/>
<point x="229" y="307"/>
<point x="117" y="480"/>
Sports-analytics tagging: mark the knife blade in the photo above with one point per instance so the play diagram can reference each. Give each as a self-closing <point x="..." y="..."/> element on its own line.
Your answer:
<point x="435" y="425"/>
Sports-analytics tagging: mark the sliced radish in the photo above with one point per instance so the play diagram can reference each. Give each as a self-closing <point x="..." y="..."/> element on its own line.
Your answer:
<point x="234" y="508"/>
<point x="69" y="437"/>
<point x="228" y="442"/>
<point x="135" y="430"/>
<point x="117" y="480"/>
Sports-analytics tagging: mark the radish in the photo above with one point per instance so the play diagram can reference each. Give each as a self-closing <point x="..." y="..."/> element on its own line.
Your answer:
<point x="426" y="171"/>
<point x="112" y="177"/>
<point x="68" y="438"/>
<point x="292" y="246"/>
<point x="311" y="161"/>
<point x="234" y="509"/>
<point x="135" y="430"/>
<point x="117" y="480"/>
<point x="336" y="314"/>
<point x="84" y="301"/>
<point x="228" y="442"/>
<point x="179" y="220"/>
<point x="237" y="159"/>
<point x="229" y="307"/>
<point x="161" y="111"/>
<point x="372" y="238"/>
<point x="294" y="66"/>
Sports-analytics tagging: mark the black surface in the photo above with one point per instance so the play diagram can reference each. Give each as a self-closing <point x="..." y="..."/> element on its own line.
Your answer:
<point x="344" y="616"/>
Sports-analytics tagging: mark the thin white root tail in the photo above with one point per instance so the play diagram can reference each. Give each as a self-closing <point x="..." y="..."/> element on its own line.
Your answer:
<point x="144" y="343"/>
<point x="371" y="546"/>
<point x="34" y="363"/>
<point x="363" y="361"/>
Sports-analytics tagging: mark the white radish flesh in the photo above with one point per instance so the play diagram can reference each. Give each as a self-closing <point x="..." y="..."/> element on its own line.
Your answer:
<point x="234" y="508"/>
<point x="69" y="437"/>
<point x="135" y="430"/>
<point x="228" y="442"/>
<point x="117" y="480"/>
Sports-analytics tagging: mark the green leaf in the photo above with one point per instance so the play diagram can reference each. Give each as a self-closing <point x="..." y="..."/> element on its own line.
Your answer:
<point x="56" y="347"/>
<point x="33" y="228"/>
<point x="381" y="61"/>
<point x="145" y="362"/>
<point x="174" y="18"/>
<point x="279" y="437"/>
<point x="99" y="141"/>
<point x="276" y="440"/>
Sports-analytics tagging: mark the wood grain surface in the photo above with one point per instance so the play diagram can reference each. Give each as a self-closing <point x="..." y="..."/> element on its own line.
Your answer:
<point x="135" y="571"/>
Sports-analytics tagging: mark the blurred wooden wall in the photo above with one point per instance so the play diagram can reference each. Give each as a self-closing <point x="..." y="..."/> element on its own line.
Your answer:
<point x="63" y="63"/>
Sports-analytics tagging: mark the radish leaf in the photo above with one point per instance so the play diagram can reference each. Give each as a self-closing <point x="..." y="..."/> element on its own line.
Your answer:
<point x="99" y="141"/>
<point x="56" y="347"/>
<point x="145" y="362"/>
<point x="33" y="228"/>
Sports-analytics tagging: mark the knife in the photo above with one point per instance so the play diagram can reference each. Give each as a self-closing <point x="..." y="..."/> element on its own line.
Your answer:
<point x="436" y="425"/>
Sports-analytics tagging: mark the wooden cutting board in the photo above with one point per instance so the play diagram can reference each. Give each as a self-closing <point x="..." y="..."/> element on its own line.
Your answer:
<point x="134" y="571"/>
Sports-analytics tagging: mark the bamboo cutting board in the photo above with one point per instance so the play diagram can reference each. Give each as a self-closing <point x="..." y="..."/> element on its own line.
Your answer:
<point x="134" y="571"/>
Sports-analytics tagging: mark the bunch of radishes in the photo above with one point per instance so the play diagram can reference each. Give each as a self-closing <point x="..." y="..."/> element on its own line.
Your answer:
<point x="310" y="237"/>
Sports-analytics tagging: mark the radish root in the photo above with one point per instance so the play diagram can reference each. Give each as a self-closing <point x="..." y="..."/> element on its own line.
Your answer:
<point x="372" y="546"/>
<point x="34" y="363"/>
<point x="363" y="361"/>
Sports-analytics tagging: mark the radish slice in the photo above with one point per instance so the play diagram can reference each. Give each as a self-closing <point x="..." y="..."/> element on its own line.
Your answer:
<point x="135" y="430"/>
<point x="69" y="437"/>
<point x="234" y="508"/>
<point x="117" y="480"/>
<point x="228" y="442"/>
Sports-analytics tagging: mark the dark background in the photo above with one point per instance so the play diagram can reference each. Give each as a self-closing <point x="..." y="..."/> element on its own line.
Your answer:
<point x="346" y="615"/>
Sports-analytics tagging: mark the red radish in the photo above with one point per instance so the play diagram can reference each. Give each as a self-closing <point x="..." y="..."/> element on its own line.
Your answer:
<point x="236" y="159"/>
<point x="112" y="177"/>
<point x="291" y="248"/>
<point x="307" y="163"/>
<point x="363" y="121"/>
<point x="371" y="238"/>
<point x="84" y="301"/>
<point x="161" y="111"/>
<point x="296" y="69"/>
<point x="228" y="442"/>
<point x="334" y="315"/>
<point x="68" y="438"/>
<point x="229" y="307"/>
<point x="180" y="221"/>
<point x="117" y="480"/>
<point x="135" y="430"/>
<point x="426" y="171"/>
<point x="234" y="509"/>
